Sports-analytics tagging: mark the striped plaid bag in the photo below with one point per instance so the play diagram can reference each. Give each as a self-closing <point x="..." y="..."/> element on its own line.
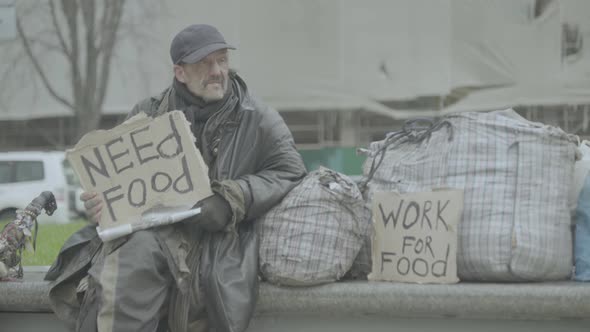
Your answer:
<point x="515" y="175"/>
<point x="315" y="233"/>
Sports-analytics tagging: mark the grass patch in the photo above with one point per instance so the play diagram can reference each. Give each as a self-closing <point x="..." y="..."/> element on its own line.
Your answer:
<point x="49" y="240"/>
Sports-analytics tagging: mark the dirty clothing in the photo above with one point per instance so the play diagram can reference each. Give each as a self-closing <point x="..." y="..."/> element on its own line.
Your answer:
<point x="252" y="163"/>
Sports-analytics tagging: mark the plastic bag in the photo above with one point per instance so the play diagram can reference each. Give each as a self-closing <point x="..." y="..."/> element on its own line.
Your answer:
<point x="581" y="169"/>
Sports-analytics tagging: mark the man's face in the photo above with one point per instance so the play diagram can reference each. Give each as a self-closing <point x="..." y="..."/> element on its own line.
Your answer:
<point x="207" y="78"/>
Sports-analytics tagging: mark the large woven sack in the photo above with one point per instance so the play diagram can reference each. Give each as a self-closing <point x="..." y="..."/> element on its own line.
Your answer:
<point x="516" y="176"/>
<point x="315" y="233"/>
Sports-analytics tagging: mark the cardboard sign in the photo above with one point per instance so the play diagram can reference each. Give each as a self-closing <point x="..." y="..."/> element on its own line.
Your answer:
<point x="415" y="238"/>
<point x="141" y="165"/>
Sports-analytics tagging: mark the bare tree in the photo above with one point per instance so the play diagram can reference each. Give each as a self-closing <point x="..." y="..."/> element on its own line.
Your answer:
<point x="84" y="33"/>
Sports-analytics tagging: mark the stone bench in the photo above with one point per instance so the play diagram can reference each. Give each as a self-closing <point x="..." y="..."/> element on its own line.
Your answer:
<point x="558" y="304"/>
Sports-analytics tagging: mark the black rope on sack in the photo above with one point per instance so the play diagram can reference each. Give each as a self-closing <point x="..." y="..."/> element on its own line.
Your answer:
<point x="413" y="131"/>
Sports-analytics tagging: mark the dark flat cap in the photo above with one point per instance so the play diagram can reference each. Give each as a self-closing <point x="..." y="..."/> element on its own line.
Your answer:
<point x="195" y="42"/>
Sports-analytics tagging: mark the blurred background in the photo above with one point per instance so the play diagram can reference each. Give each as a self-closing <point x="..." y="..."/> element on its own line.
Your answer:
<point x="341" y="73"/>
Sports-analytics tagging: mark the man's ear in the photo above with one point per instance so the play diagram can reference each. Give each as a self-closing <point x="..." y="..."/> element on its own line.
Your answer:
<point x="179" y="73"/>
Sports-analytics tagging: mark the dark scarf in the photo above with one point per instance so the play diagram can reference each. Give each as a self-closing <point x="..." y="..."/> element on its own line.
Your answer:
<point x="207" y="120"/>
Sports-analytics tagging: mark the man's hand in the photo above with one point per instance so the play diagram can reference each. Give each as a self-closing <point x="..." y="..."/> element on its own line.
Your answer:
<point x="215" y="213"/>
<point x="93" y="204"/>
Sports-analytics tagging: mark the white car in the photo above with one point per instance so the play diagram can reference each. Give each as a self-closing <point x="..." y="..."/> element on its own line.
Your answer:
<point x="24" y="175"/>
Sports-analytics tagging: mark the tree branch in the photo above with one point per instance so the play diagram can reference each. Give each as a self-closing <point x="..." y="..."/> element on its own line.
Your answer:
<point x="110" y="27"/>
<point x="70" y="10"/>
<point x="38" y="67"/>
<point x="58" y="31"/>
<point x="47" y="45"/>
<point x="10" y="69"/>
<point x="88" y="16"/>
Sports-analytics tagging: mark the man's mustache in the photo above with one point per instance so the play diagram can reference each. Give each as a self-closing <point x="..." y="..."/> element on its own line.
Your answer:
<point x="215" y="79"/>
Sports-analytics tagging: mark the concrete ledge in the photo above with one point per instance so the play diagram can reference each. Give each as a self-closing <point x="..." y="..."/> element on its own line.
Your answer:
<point x="528" y="301"/>
<point x="27" y="296"/>
<point x="531" y="301"/>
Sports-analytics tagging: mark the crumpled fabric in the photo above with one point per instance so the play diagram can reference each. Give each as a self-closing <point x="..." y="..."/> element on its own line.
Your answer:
<point x="233" y="194"/>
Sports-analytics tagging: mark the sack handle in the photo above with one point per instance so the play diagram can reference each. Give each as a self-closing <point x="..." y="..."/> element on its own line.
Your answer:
<point x="413" y="131"/>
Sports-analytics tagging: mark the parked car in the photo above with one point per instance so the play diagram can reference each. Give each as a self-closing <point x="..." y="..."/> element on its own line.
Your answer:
<point x="24" y="175"/>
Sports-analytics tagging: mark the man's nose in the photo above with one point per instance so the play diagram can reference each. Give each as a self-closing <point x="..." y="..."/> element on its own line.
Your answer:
<point x="215" y="69"/>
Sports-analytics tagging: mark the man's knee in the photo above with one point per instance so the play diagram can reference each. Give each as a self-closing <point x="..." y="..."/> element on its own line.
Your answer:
<point x="142" y="247"/>
<point x="144" y="238"/>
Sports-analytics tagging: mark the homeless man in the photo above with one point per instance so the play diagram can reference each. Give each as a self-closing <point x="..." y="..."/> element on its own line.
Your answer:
<point x="153" y="280"/>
